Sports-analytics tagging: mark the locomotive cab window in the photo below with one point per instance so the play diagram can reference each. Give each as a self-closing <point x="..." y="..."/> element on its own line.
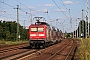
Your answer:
<point x="33" y="29"/>
<point x="40" y="29"/>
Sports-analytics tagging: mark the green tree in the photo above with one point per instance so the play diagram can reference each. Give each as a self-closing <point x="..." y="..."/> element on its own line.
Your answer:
<point x="8" y="31"/>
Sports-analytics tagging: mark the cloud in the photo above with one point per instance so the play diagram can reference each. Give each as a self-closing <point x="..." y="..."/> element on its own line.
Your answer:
<point x="63" y="10"/>
<point x="38" y="5"/>
<point x="43" y="10"/>
<point x="68" y="2"/>
<point x="31" y="7"/>
<point x="49" y="5"/>
<point x="27" y="8"/>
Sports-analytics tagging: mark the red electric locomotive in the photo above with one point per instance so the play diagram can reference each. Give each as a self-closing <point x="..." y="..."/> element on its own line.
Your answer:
<point x="41" y="34"/>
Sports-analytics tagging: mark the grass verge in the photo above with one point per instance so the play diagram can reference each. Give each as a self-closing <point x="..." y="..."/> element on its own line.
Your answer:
<point x="13" y="42"/>
<point x="83" y="52"/>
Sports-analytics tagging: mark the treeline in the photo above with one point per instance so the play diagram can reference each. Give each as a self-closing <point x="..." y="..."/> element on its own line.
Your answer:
<point x="8" y="31"/>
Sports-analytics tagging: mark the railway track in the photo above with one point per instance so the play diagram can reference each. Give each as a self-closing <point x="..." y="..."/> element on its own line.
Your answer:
<point x="15" y="52"/>
<point x="64" y="53"/>
<point x="60" y="51"/>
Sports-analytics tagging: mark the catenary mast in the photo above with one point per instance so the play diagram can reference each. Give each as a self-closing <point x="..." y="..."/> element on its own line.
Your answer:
<point x="87" y="19"/>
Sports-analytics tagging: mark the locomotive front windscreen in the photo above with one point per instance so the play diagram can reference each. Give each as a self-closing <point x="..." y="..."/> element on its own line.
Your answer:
<point x="38" y="29"/>
<point x="33" y="29"/>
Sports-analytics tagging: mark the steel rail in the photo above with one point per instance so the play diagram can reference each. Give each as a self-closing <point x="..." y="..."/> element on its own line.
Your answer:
<point x="69" y="52"/>
<point x="58" y="51"/>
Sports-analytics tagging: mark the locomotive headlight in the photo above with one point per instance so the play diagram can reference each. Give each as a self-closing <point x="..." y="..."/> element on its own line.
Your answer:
<point x="32" y="34"/>
<point x="41" y="34"/>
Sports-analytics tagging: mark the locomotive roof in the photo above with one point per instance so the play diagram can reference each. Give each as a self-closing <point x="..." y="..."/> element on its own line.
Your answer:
<point x="42" y="23"/>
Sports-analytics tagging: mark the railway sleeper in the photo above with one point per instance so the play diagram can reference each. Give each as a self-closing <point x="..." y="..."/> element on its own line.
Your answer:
<point x="49" y="53"/>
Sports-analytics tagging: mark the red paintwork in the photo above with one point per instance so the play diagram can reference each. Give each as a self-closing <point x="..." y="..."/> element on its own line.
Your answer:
<point x="37" y="33"/>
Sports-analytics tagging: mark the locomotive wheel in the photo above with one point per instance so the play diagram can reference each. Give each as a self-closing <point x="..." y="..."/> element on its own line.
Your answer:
<point x="44" y="45"/>
<point x="56" y="41"/>
<point x="37" y="45"/>
<point x="30" y="45"/>
<point x="47" y="44"/>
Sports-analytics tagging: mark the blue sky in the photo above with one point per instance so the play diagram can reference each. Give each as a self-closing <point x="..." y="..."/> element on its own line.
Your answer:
<point x="62" y="10"/>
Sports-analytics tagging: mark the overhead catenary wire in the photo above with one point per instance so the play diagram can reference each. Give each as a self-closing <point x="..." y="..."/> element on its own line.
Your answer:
<point x="6" y="4"/>
<point x="26" y="6"/>
<point x="67" y="9"/>
<point x="14" y="7"/>
<point x="60" y="9"/>
<point x="20" y="8"/>
<point x="7" y="15"/>
<point x="69" y="13"/>
<point x="32" y="9"/>
<point x="64" y="5"/>
<point x="27" y="12"/>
